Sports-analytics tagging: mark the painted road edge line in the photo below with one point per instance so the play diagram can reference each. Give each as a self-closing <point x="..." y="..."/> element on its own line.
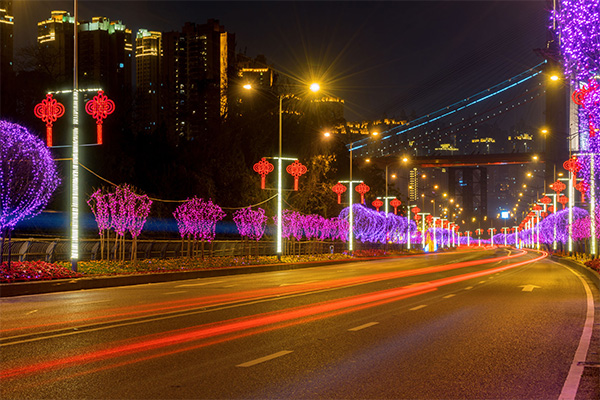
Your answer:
<point x="358" y="328"/>
<point x="569" y="390"/>
<point x="263" y="359"/>
<point x="418" y="307"/>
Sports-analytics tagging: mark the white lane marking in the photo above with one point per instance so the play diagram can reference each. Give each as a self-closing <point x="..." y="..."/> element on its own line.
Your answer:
<point x="198" y="284"/>
<point x="569" y="390"/>
<point x="181" y="291"/>
<point x="294" y="284"/>
<point x="450" y="295"/>
<point x="31" y="312"/>
<point x="228" y="286"/>
<point x="93" y="302"/>
<point x="418" y="307"/>
<point x="263" y="359"/>
<point x="469" y="288"/>
<point x="529" y="288"/>
<point x="481" y="281"/>
<point x="358" y="328"/>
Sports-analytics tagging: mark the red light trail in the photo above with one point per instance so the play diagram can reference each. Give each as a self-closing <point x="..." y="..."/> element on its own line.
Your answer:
<point x="239" y="327"/>
<point x="122" y="313"/>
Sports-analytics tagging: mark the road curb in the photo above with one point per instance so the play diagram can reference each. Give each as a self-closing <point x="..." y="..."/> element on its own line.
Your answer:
<point x="65" y="285"/>
<point x="590" y="273"/>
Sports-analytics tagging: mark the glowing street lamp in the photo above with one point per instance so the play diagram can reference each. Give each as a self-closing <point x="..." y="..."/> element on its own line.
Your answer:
<point x="314" y="87"/>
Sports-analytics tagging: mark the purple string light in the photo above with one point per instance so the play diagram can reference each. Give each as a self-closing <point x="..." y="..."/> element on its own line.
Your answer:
<point x="579" y="31"/>
<point x="28" y="175"/>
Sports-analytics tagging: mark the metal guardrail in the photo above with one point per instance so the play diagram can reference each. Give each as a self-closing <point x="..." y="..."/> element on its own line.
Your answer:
<point x="57" y="249"/>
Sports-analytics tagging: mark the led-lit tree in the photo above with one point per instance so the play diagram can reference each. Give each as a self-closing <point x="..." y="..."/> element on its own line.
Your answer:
<point x="28" y="177"/>
<point x="127" y="212"/>
<point x="98" y="203"/>
<point x="197" y="219"/>
<point x="250" y="224"/>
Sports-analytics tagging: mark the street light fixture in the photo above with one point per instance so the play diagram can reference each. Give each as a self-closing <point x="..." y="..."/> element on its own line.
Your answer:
<point x="279" y="249"/>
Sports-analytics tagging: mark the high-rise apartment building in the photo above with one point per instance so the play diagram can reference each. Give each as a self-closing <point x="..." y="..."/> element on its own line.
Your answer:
<point x="55" y="41"/>
<point x="197" y="66"/>
<point x="6" y="53"/>
<point x="105" y="55"/>
<point x="104" y="52"/>
<point x="148" y="59"/>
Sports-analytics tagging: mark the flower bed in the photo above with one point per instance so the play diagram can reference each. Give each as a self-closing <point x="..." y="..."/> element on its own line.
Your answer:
<point x="593" y="264"/>
<point x="34" y="271"/>
<point x="96" y="268"/>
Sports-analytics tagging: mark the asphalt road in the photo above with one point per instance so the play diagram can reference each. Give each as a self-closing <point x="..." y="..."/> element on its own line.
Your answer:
<point x="473" y="324"/>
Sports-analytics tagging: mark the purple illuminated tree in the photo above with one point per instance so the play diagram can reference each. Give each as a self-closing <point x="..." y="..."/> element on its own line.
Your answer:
<point x="28" y="177"/>
<point x="579" y="30"/>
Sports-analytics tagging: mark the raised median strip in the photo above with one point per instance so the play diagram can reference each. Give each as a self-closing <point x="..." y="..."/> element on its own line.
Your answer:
<point x="64" y="285"/>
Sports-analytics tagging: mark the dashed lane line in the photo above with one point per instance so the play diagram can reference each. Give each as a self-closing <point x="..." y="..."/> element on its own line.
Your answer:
<point x="264" y="359"/>
<point x="358" y="328"/>
<point x="418" y="307"/>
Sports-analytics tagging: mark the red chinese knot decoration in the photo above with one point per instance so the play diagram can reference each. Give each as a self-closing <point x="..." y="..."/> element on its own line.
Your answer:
<point x="395" y="203"/>
<point x="263" y="167"/>
<point x="558" y="186"/>
<point x="572" y="165"/>
<point x="546" y="200"/>
<point x="377" y="203"/>
<point x="582" y="187"/>
<point x="579" y="97"/>
<point x="338" y="188"/>
<point x="296" y="169"/>
<point x="49" y="110"/>
<point x="362" y="189"/>
<point x="99" y="108"/>
<point x="563" y="200"/>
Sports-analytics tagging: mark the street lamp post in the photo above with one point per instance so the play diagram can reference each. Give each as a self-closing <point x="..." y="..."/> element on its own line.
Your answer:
<point x="279" y="247"/>
<point x="423" y="214"/>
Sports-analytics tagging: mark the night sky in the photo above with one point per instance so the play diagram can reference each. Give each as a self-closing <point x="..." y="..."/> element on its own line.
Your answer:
<point x="380" y="57"/>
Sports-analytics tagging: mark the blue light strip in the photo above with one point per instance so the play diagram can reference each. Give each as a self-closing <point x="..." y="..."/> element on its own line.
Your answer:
<point x="363" y="142"/>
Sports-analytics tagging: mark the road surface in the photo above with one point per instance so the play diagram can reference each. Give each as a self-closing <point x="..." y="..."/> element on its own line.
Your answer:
<point x="478" y="324"/>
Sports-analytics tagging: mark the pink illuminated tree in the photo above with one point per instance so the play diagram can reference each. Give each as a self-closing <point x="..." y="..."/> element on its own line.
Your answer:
<point x="98" y="203"/>
<point x="197" y="219"/>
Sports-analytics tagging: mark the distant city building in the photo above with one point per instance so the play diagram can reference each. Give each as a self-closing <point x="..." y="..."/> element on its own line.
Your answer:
<point x="366" y="127"/>
<point x="329" y="110"/>
<point x="255" y="71"/>
<point x="148" y="59"/>
<point x="6" y="53"/>
<point x="55" y="41"/>
<point x="413" y="187"/>
<point x="521" y="141"/>
<point x="104" y="52"/>
<point x="483" y="145"/>
<point x="105" y="55"/>
<point x="196" y="70"/>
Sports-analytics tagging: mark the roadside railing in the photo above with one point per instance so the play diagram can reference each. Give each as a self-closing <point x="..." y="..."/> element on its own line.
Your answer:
<point x="57" y="249"/>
